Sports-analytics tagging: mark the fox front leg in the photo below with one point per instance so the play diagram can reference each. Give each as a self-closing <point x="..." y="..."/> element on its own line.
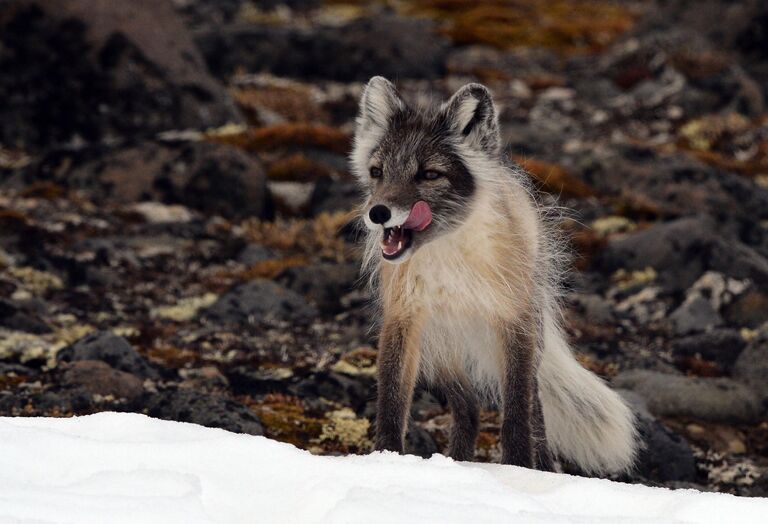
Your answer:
<point x="517" y="435"/>
<point x="398" y="362"/>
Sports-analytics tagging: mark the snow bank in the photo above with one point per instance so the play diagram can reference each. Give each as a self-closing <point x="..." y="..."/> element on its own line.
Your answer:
<point x="117" y="467"/>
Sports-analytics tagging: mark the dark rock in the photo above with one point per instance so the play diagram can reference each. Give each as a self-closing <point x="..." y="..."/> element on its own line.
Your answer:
<point x="664" y="455"/>
<point x="184" y="405"/>
<point x="245" y="380"/>
<point x="718" y="345"/>
<point x="386" y="45"/>
<point x="324" y="284"/>
<point x="752" y="367"/>
<point x="212" y="178"/>
<point x="254" y="253"/>
<point x="120" y="69"/>
<point x="21" y="317"/>
<point x="694" y="315"/>
<point x="681" y="251"/>
<point x="353" y="391"/>
<point x="260" y="300"/>
<point x="711" y="399"/>
<point x="595" y="308"/>
<point x="112" y="349"/>
<point x="419" y="442"/>
<point x="329" y="196"/>
<point x="749" y="310"/>
<point x="674" y="185"/>
<point x="98" y="378"/>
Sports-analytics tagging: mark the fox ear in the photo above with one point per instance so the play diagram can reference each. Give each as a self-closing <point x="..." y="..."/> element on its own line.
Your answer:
<point x="379" y="102"/>
<point x="471" y="114"/>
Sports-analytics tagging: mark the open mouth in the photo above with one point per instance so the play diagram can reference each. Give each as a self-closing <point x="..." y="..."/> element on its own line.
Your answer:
<point x="396" y="241"/>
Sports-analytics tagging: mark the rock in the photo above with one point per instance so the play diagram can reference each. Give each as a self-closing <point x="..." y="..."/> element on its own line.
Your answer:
<point x="330" y="196"/>
<point x="749" y="310"/>
<point x="324" y="284"/>
<point x="260" y="300"/>
<point x="354" y="391"/>
<point x="419" y="442"/>
<point x="681" y="251"/>
<point x="752" y="367"/>
<point x="121" y="69"/>
<point x="695" y="314"/>
<point x="112" y="349"/>
<point x="98" y="378"/>
<point x="711" y="399"/>
<point x="255" y="253"/>
<point x="664" y="455"/>
<point x="595" y="308"/>
<point x="385" y="45"/>
<point x="22" y="317"/>
<point x="719" y="345"/>
<point x="246" y="380"/>
<point x="212" y="178"/>
<point x="185" y="405"/>
<point x="159" y="213"/>
<point x="673" y="185"/>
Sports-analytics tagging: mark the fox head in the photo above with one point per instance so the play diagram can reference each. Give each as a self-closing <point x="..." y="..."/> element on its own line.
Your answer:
<point x="414" y="164"/>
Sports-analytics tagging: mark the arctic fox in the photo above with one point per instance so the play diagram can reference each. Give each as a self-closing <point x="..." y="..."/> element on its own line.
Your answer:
<point x="462" y="262"/>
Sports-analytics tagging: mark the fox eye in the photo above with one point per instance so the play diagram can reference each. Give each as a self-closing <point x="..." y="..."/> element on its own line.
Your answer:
<point x="375" y="172"/>
<point x="430" y="174"/>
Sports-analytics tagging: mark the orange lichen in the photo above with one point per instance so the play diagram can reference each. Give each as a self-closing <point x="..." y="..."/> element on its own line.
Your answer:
<point x="292" y="102"/>
<point x="286" y="136"/>
<point x="565" y="26"/>
<point x="273" y="267"/>
<point x="554" y="178"/>
<point x="299" y="168"/>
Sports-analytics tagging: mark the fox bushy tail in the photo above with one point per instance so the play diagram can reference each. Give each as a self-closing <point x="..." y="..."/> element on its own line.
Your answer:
<point x="586" y="422"/>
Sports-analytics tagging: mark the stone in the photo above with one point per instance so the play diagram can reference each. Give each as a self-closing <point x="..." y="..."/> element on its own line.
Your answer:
<point x="98" y="378"/>
<point x="120" y="69"/>
<point x="720" y="345"/>
<point x="324" y="284"/>
<point x="681" y="251"/>
<point x="711" y="399"/>
<point x="386" y="45"/>
<point x="752" y="367"/>
<point x="664" y="455"/>
<point x="22" y="317"/>
<point x="259" y="300"/>
<point x="185" y="405"/>
<point x="693" y="315"/>
<point x="211" y="178"/>
<point x="111" y="349"/>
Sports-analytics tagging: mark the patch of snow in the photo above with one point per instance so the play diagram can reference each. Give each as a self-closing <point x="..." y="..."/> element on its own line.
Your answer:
<point x="122" y="467"/>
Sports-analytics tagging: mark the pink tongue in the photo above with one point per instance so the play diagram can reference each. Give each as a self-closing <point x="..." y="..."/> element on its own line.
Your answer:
<point x="420" y="217"/>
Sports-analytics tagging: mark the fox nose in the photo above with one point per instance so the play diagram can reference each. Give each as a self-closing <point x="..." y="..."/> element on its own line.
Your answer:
<point x="379" y="214"/>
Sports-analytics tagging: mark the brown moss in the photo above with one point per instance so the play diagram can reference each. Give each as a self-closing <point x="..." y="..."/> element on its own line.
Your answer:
<point x="46" y="190"/>
<point x="565" y="26"/>
<point x="292" y="102"/>
<point x="285" y="419"/>
<point x="286" y="136"/>
<point x="171" y="357"/>
<point x="273" y="267"/>
<point x="298" y="168"/>
<point x="316" y="238"/>
<point x="554" y="178"/>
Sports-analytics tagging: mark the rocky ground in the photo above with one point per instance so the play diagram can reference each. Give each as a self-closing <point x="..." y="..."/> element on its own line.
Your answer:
<point x="176" y="235"/>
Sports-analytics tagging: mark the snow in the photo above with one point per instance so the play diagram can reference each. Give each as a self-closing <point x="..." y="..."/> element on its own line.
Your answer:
<point x="120" y="467"/>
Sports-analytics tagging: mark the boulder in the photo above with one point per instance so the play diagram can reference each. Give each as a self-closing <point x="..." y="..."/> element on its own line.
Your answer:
<point x="711" y="399"/>
<point x="111" y="349"/>
<point x="259" y="300"/>
<point x="185" y="405"/>
<point x="98" y="378"/>
<point x="97" y="70"/>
